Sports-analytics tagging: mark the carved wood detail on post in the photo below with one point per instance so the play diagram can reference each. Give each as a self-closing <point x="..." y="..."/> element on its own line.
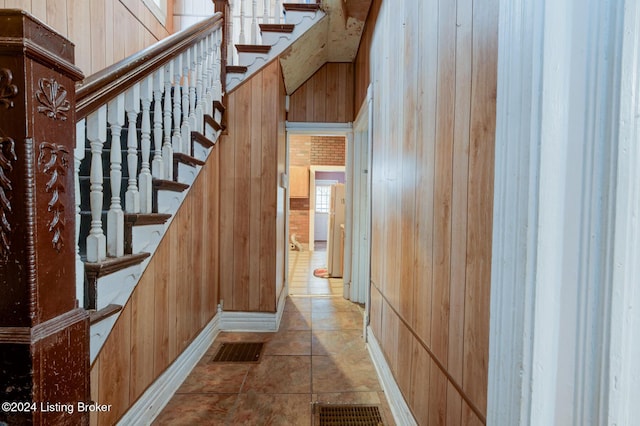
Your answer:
<point x="44" y="337"/>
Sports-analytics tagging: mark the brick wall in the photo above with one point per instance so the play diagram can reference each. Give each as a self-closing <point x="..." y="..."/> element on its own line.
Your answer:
<point x="311" y="151"/>
<point x="327" y="151"/>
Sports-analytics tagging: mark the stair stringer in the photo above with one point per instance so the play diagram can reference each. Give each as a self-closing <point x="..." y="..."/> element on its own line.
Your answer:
<point x="120" y="285"/>
<point x="279" y="42"/>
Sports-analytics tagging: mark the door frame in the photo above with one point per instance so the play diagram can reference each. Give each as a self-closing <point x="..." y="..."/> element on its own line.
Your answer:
<point x="314" y="129"/>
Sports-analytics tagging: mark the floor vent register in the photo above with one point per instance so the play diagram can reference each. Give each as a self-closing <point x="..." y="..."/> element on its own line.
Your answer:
<point x="239" y="352"/>
<point x="346" y="415"/>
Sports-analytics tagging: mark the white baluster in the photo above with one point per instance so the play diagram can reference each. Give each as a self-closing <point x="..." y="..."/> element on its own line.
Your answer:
<point x="157" y="167"/>
<point x="132" y="106"/>
<point x="167" y="147"/>
<point x="242" y="37"/>
<point x="177" y="108"/>
<point x="193" y="80"/>
<point x="278" y="11"/>
<point x="254" y="21"/>
<point x="200" y="74"/>
<point x="97" y="135"/>
<point x="115" y="215"/>
<point x="145" y="179"/>
<point x="78" y="156"/>
<point x="217" y="70"/>
<point x="185" y="128"/>
<point x="265" y="12"/>
<point x="207" y="73"/>
<point x="231" y="37"/>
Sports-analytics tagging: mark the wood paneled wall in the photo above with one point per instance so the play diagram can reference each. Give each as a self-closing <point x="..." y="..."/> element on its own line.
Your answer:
<point x="433" y="64"/>
<point x="104" y="32"/>
<point x="175" y="298"/>
<point x="252" y="203"/>
<point x="326" y="97"/>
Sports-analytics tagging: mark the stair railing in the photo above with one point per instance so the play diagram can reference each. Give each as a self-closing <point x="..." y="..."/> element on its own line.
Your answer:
<point x="162" y="93"/>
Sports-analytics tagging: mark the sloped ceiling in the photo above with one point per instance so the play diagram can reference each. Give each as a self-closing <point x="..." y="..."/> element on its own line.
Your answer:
<point x="333" y="39"/>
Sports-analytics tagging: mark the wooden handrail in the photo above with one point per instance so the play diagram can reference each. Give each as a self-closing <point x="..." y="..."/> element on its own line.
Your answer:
<point x="101" y="87"/>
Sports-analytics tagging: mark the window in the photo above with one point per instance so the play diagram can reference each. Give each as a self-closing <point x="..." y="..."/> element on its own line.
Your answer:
<point x="323" y="194"/>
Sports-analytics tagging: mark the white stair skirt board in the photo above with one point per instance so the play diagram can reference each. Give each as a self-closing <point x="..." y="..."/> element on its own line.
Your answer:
<point x="278" y="42"/>
<point x="252" y="321"/>
<point x="156" y="397"/>
<point x="399" y="408"/>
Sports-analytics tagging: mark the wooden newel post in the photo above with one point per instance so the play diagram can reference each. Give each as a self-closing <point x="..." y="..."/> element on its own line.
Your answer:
<point x="44" y="336"/>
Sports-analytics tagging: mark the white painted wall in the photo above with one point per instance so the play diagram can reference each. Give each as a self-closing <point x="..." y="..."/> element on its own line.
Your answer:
<point x="566" y="192"/>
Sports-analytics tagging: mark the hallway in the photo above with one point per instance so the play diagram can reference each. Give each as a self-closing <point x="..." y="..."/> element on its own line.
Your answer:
<point x="318" y="355"/>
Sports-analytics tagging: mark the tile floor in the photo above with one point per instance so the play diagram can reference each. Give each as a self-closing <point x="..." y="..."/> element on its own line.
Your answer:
<point x="318" y="355"/>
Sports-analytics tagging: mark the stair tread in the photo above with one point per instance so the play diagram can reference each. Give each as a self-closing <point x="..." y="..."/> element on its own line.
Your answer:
<point x="253" y="48"/>
<point x="187" y="159"/>
<point x="219" y="106"/>
<point x="202" y="139"/>
<point x="104" y="313"/>
<point x="113" y="264"/>
<point x="212" y="122"/>
<point x="169" y="185"/>
<point x="141" y="219"/>
<point x="305" y="7"/>
<point x="277" y="28"/>
<point x="236" y="69"/>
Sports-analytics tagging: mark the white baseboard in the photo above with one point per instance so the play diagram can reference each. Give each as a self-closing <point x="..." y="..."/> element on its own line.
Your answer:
<point x="154" y="399"/>
<point x="252" y="321"/>
<point x="399" y="408"/>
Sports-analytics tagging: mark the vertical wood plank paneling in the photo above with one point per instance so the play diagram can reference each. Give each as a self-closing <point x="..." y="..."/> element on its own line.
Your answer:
<point x="420" y="367"/>
<point x="142" y="335"/>
<point x="242" y="194"/>
<point x="95" y="391"/>
<point x="79" y="26"/>
<point x="227" y="190"/>
<point x="250" y="160"/>
<point x="427" y="84"/>
<point x="114" y="369"/>
<point x="408" y="172"/>
<point x="100" y="41"/>
<point x="18" y="4"/>
<point x="162" y="316"/>
<point x="443" y="179"/>
<point x="57" y="16"/>
<point x="108" y="42"/>
<point x="255" y="171"/>
<point x="161" y="277"/>
<point x="214" y="218"/>
<point x="171" y="238"/>
<point x="332" y="93"/>
<point x="431" y="252"/>
<point x="298" y="104"/>
<point x="459" y="195"/>
<point x="320" y="94"/>
<point x="481" y="150"/>
<point x="327" y="96"/>
<point x="39" y="9"/>
<point x="270" y="107"/>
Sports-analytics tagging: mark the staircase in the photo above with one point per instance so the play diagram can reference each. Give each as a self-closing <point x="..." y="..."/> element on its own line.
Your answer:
<point x="145" y="128"/>
<point x="273" y="39"/>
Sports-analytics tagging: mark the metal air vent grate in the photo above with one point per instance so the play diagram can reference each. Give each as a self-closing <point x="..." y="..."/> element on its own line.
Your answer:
<point x="239" y="352"/>
<point x="346" y="415"/>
